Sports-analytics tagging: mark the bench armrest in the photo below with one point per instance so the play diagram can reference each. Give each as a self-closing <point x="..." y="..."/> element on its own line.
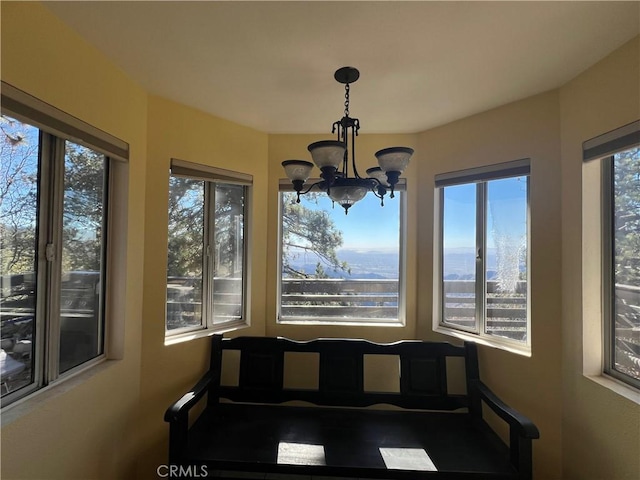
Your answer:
<point x="183" y="405"/>
<point x="521" y="429"/>
<point x="178" y="414"/>
<point x="520" y="423"/>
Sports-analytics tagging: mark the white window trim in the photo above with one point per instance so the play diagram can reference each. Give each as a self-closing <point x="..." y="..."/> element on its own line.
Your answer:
<point x="475" y="175"/>
<point x="596" y="153"/>
<point x="33" y="111"/>
<point x="592" y="287"/>
<point x="212" y="175"/>
<point x="285" y="185"/>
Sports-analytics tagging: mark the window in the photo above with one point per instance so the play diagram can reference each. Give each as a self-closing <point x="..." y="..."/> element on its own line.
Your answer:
<point x="482" y="246"/>
<point x="206" y="267"/>
<point x="337" y="268"/>
<point x="54" y="203"/>
<point x="621" y="250"/>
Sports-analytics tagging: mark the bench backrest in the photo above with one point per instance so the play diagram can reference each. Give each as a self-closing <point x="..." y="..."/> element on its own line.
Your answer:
<point x="423" y="372"/>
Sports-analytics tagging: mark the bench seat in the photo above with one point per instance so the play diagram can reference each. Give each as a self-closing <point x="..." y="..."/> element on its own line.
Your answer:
<point x="260" y="438"/>
<point x="261" y="429"/>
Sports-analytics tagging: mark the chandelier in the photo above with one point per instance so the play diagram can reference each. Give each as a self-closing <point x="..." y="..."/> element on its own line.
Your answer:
<point x="332" y="158"/>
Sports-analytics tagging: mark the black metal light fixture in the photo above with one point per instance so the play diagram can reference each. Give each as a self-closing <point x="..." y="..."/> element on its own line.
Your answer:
<point x="332" y="158"/>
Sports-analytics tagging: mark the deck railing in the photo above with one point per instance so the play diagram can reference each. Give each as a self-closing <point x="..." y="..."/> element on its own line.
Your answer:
<point x="627" y="330"/>
<point x="505" y="312"/>
<point x="335" y="298"/>
<point x="357" y="299"/>
<point x="312" y="298"/>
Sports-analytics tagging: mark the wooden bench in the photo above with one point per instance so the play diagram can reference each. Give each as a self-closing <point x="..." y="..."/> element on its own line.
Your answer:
<point x="433" y="435"/>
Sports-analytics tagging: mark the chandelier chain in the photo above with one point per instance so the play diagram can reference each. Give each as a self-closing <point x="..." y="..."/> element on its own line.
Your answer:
<point x="346" y="100"/>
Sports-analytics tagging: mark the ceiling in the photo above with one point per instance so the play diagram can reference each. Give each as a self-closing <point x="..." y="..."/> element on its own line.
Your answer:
<point x="269" y="65"/>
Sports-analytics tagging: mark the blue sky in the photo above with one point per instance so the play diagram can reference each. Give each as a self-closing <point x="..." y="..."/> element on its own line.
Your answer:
<point x="368" y="226"/>
<point x="507" y="212"/>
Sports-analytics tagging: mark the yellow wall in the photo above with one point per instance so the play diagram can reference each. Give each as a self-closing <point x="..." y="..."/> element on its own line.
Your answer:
<point x="179" y="132"/>
<point x="83" y="430"/>
<point x="524" y="129"/>
<point x="110" y="425"/>
<point x="601" y="429"/>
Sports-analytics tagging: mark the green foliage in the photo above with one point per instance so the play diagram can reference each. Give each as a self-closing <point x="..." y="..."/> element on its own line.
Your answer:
<point x="186" y="235"/>
<point x="320" y="272"/>
<point x="187" y="222"/>
<point x="229" y="223"/>
<point x="83" y="208"/>
<point x="305" y="230"/>
<point x="18" y="196"/>
<point x="83" y="201"/>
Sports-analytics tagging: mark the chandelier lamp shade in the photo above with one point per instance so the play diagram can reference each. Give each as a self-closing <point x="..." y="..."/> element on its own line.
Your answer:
<point x="339" y="175"/>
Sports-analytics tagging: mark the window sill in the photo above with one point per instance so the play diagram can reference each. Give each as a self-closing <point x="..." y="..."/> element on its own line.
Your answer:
<point x="205" y="332"/>
<point x="630" y="393"/>
<point x="346" y="323"/>
<point x="524" y="350"/>
<point x="34" y="400"/>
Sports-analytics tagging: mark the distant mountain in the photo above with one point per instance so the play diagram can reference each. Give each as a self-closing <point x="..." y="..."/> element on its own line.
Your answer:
<point x="311" y="270"/>
<point x="362" y="264"/>
<point x="491" y="274"/>
<point x="371" y="263"/>
<point x="459" y="264"/>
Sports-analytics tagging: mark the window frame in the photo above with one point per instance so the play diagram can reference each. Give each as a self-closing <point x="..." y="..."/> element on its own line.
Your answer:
<point x="55" y="129"/>
<point x="617" y="144"/>
<point x="285" y="186"/>
<point x="212" y="176"/>
<point x="480" y="176"/>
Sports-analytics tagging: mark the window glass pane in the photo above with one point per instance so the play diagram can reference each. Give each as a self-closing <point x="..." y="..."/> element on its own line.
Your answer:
<point x="338" y="267"/>
<point x="229" y="253"/>
<point x="626" y="258"/>
<point x="19" y="147"/>
<point x="506" y="258"/>
<point x="83" y="245"/>
<point x="185" y="253"/>
<point x="459" y="256"/>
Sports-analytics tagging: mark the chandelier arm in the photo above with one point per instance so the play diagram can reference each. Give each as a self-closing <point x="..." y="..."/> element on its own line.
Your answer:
<point x="354" y="133"/>
<point x="380" y="191"/>
<point x="345" y="139"/>
<point x="311" y="186"/>
<point x="339" y="126"/>
<point x="345" y="161"/>
<point x="381" y="197"/>
<point x="300" y="191"/>
<point x="377" y="182"/>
